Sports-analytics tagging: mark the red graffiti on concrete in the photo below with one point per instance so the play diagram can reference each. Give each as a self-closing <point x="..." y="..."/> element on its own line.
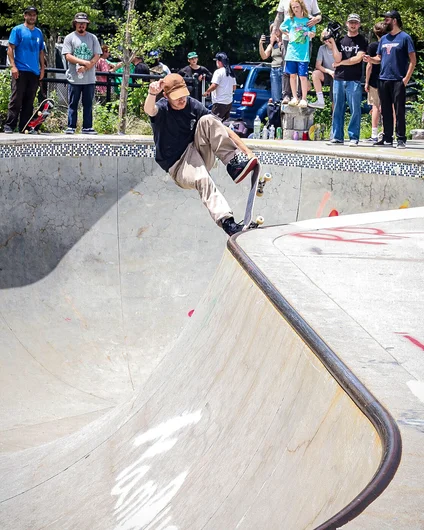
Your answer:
<point x="373" y="236"/>
<point x="414" y="341"/>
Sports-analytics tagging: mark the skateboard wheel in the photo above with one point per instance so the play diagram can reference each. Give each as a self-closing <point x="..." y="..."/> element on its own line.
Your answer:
<point x="39" y="113"/>
<point x="267" y="177"/>
<point x="26" y="131"/>
<point x="259" y="193"/>
<point x="260" y="220"/>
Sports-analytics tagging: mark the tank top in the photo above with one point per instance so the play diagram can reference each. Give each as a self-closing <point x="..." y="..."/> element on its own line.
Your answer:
<point x="276" y="56"/>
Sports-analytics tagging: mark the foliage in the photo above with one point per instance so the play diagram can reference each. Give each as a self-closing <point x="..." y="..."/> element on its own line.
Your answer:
<point x="5" y="90"/>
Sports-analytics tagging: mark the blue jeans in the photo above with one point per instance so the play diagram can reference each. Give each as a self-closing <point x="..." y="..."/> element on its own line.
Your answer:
<point x="74" y="93"/>
<point x="352" y="92"/>
<point x="276" y="83"/>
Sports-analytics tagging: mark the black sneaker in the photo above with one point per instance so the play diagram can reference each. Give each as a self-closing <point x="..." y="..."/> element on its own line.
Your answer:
<point x="401" y="144"/>
<point x="231" y="227"/>
<point x="7" y="129"/>
<point x="382" y="143"/>
<point x="89" y="130"/>
<point x="238" y="168"/>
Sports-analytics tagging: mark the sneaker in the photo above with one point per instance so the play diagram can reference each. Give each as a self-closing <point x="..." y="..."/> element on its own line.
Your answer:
<point x="7" y="129"/>
<point x="294" y="102"/>
<point x="285" y="101"/>
<point x="230" y="227"/>
<point x="335" y="141"/>
<point x="90" y="130"/>
<point x="316" y="104"/>
<point x="372" y="140"/>
<point x="239" y="167"/>
<point x="69" y="130"/>
<point x="401" y="144"/>
<point x="353" y="143"/>
<point x="303" y="104"/>
<point x="383" y="143"/>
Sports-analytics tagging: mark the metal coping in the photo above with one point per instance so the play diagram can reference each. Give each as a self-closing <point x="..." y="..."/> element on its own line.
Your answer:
<point x="383" y="422"/>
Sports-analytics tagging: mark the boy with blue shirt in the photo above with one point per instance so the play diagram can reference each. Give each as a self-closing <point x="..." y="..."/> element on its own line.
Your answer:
<point x="26" y="57"/>
<point x="397" y="57"/>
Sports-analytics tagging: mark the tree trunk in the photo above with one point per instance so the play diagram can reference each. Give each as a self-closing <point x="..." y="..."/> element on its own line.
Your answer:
<point x="126" y="59"/>
<point x="51" y="50"/>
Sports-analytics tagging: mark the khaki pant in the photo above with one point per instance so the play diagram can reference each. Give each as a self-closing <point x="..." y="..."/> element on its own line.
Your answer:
<point x="191" y="171"/>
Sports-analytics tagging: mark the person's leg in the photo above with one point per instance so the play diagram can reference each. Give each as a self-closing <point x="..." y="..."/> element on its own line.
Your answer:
<point x="317" y="81"/>
<point x="399" y="100"/>
<point x="87" y="106"/>
<point x="339" y="98"/>
<point x="293" y="85"/>
<point x="287" y="93"/>
<point x="15" y="102"/>
<point x="30" y="90"/>
<point x="354" y="98"/>
<point x="276" y="83"/>
<point x="74" y="93"/>
<point x="190" y="172"/>
<point x="385" y="93"/>
<point x="304" y="82"/>
<point x="211" y="140"/>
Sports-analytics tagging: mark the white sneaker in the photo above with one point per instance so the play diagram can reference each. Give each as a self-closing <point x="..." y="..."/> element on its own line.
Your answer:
<point x="353" y="143"/>
<point x="303" y="104"/>
<point x="294" y="102"/>
<point x="317" y="104"/>
<point x="285" y="100"/>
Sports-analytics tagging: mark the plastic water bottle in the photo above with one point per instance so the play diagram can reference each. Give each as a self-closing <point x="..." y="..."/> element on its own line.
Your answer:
<point x="295" y="135"/>
<point x="79" y="74"/>
<point x="265" y="133"/>
<point x="257" y="128"/>
<point x="279" y="133"/>
<point x="272" y="132"/>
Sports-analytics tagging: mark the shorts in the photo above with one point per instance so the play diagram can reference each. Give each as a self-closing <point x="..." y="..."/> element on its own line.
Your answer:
<point x="373" y="97"/>
<point x="295" y="67"/>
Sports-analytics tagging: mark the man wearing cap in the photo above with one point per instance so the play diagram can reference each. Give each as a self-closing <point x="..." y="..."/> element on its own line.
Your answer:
<point x="188" y="138"/>
<point x="347" y="82"/>
<point x="396" y="54"/>
<point x="82" y="51"/>
<point x="26" y="56"/>
<point x="222" y="87"/>
<point x="195" y="70"/>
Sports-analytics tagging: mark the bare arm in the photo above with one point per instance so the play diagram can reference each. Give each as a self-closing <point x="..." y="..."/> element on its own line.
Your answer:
<point x="367" y="76"/>
<point x="212" y="87"/>
<point x="372" y="60"/>
<point x="353" y="60"/>
<point x="411" y="67"/>
<point x="155" y="88"/>
<point x="11" y="57"/>
<point x="278" y="19"/>
<point x="264" y="53"/>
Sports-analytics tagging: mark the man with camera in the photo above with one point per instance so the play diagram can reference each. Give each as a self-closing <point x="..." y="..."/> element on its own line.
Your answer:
<point x="347" y="82"/>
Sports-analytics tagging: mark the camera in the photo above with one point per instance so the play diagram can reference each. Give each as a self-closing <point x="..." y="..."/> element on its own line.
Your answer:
<point x="333" y="31"/>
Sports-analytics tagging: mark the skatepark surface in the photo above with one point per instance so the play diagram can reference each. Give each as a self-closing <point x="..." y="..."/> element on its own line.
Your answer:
<point x="152" y="378"/>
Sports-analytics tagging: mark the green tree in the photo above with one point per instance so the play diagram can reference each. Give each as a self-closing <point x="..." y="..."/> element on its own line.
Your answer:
<point x="54" y="17"/>
<point x="139" y="34"/>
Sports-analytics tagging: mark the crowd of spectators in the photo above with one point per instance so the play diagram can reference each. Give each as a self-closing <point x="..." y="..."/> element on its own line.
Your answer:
<point x="390" y="62"/>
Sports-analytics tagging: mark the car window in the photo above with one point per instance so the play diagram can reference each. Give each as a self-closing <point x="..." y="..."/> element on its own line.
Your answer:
<point x="262" y="80"/>
<point x="241" y="76"/>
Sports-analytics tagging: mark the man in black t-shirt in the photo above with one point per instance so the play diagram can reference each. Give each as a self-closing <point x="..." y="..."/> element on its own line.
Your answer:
<point x="188" y="138"/>
<point x="195" y="70"/>
<point x="347" y="82"/>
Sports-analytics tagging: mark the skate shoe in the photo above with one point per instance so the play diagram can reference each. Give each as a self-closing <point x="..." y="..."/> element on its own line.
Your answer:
<point x="239" y="167"/>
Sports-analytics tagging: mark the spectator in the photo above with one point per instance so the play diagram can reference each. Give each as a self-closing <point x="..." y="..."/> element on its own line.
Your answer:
<point x="103" y="65"/>
<point x="26" y="57"/>
<point x="297" y="55"/>
<point x="188" y="138"/>
<point x="82" y="51"/>
<point x="397" y="56"/>
<point x="347" y="82"/>
<point x="273" y="50"/>
<point x="157" y="67"/>
<point x="372" y="74"/>
<point x="283" y="12"/>
<point x="140" y="67"/>
<point x="222" y="87"/>
<point x="324" y="70"/>
<point x="194" y="70"/>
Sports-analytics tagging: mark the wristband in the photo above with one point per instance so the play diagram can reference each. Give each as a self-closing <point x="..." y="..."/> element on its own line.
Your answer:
<point x="150" y="94"/>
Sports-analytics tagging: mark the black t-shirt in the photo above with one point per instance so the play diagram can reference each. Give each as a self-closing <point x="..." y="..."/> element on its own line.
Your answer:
<point x="350" y="46"/>
<point x="141" y="68"/>
<point x="173" y="129"/>
<point x="375" y="71"/>
<point x="188" y="71"/>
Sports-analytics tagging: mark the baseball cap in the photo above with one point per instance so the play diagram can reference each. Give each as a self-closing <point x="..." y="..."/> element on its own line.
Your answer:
<point x="392" y="14"/>
<point x="221" y="56"/>
<point x="174" y="86"/>
<point x="192" y="55"/>
<point x="31" y="8"/>
<point x="81" y="17"/>
<point x="353" y="17"/>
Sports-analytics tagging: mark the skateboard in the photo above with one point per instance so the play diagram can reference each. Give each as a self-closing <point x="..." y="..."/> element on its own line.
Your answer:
<point x="256" y="190"/>
<point x="40" y="115"/>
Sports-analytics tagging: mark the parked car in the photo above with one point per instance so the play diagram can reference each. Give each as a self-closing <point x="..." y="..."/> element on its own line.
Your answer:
<point x="253" y="92"/>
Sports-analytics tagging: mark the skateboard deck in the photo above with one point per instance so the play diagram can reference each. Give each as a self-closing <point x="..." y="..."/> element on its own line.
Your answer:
<point x="256" y="190"/>
<point x="40" y="115"/>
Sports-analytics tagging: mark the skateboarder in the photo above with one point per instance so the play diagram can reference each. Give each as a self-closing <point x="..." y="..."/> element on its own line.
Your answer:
<point x="188" y="138"/>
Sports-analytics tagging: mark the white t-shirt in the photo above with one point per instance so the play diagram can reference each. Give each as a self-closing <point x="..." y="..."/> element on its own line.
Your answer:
<point x="311" y="6"/>
<point x="224" y="90"/>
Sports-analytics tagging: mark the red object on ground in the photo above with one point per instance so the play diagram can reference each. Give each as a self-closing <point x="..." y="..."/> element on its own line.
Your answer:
<point x="190" y="313"/>
<point x="333" y="213"/>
